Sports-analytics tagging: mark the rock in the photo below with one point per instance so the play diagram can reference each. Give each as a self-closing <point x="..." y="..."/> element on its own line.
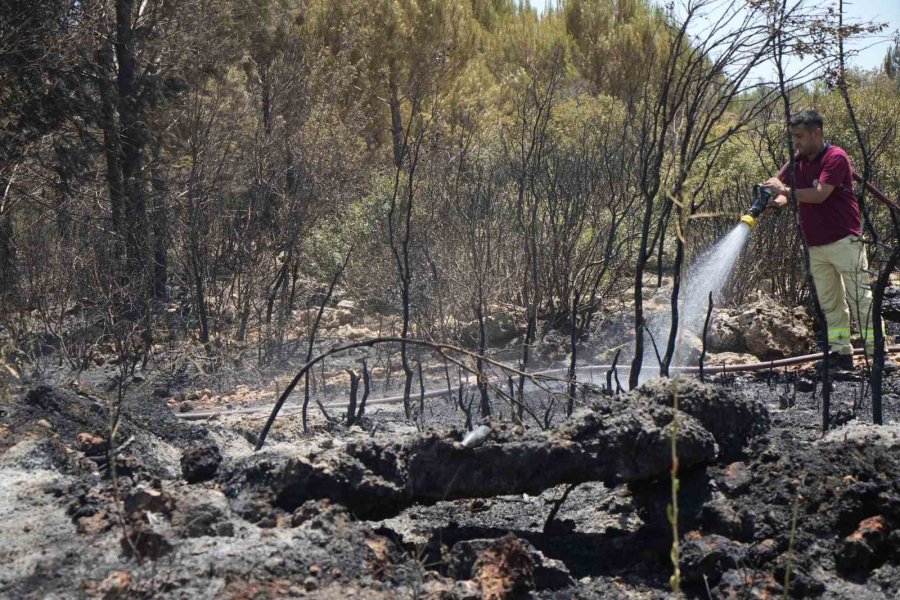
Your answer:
<point x="841" y="415"/>
<point x="352" y="334"/>
<point x="499" y="328"/>
<point x="336" y="317"/>
<point x="708" y="557"/>
<point x="319" y="514"/>
<point x="863" y="435"/>
<point x="143" y="542"/>
<point x="255" y="508"/>
<point x="763" y="552"/>
<point x="91" y="445"/>
<point x="202" y="514"/>
<point x="44" y="423"/>
<point x="148" y="500"/>
<point x="786" y="401"/>
<point x="689" y="350"/>
<point x="732" y="418"/>
<point x="274" y="564"/>
<point x="724" y="336"/>
<point x="93" y="524"/>
<point x="802" y="585"/>
<point x="548" y="573"/>
<point x="865" y="548"/>
<point x="717" y="359"/>
<point x="893" y="544"/>
<point x="651" y="500"/>
<point x="504" y="570"/>
<point x="891" y="305"/>
<point x="185" y="407"/>
<point x="200" y="461"/>
<point x="805" y="384"/>
<point x="742" y="583"/>
<point x="720" y="517"/>
<point x="115" y="585"/>
<point x="735" y="479"/>
<point x="310" y="584"/>
<point x="347" y="305"/>
<point x="763" y="328"/>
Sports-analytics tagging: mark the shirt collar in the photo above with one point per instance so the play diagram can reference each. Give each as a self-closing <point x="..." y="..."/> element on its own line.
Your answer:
<point x="818" y="156"/>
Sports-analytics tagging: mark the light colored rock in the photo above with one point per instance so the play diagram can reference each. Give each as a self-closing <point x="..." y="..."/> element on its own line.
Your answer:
<point x="864" y="435"/>
<point x="348" y="305"/>
<point x="332" y="318"/>
<point x="729" y="358"/>
<point x="763" y="328"/>
<point x="353" y="334"/>
<point x="499" y="328"/>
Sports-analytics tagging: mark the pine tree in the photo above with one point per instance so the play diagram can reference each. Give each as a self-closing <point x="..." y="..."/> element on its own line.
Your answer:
<point x="892" y="59"/>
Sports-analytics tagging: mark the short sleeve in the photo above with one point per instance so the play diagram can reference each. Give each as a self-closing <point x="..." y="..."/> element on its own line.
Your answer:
<point x="784" y="175"/>
<point x="835" y="169"/>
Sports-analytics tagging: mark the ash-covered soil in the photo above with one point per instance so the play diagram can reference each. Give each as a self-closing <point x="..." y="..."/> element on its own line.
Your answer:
<point x="188" y="510"/>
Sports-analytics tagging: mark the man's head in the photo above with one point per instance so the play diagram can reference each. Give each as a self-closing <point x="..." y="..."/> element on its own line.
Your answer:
<point x="806" y="131"/>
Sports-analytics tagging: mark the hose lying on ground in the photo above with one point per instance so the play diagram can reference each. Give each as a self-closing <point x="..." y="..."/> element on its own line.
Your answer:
<point x="590" y="370"/>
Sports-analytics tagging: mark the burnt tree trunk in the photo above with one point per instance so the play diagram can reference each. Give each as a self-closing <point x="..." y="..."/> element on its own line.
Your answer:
<point x="195" y="253"/>
<point x="676" y="316"/>
<point x="8" y="277"/>
<point x="479" y="364"/>
<point x="877" y="305"/>
<point x="160" y="226"/>
<point x="639" y="321"/>
<point x="133" y="137"/>
<point x="112" y="145"/>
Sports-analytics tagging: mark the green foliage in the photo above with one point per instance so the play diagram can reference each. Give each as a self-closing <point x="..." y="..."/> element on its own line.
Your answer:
<point x="277" y="123"/>
<point x="614" y="40"/>
<point x="892" y="60"/>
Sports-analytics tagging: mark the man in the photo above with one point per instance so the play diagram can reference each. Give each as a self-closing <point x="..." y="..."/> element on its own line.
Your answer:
<point x="831" y="223"/>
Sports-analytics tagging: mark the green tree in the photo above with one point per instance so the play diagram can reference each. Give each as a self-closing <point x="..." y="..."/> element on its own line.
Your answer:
<point x="892" y="59"/>
<point x="614" y="41"/>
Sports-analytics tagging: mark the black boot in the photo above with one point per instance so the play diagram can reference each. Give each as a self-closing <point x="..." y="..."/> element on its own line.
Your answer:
<point x="836" y="363"/>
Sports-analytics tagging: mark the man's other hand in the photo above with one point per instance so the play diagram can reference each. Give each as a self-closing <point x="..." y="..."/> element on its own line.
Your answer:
<point x="778" y="188"/>
<point x="777" y="201"/>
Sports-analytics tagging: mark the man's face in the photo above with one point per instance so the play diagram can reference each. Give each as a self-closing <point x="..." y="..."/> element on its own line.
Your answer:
<point x="806" y="141"/>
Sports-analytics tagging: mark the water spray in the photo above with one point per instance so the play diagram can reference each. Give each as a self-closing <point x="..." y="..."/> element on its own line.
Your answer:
<point x="761" y="197"/>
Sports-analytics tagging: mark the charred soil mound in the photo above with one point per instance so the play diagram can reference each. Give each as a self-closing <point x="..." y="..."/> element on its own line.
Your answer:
<point x="574" y="511"/>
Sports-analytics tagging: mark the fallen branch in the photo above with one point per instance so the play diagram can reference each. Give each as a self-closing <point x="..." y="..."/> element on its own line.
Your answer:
<point x="372" y="342"/>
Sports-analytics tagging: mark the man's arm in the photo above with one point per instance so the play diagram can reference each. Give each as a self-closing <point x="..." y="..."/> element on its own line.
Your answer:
<point x="816" y="195"/>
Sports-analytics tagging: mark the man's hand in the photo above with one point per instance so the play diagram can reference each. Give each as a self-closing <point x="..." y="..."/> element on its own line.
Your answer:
<point x="777" y="201"/>
<point x="778" y="188"/>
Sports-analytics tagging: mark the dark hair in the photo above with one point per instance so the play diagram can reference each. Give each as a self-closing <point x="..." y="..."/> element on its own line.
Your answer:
<point x="808" y="119"/>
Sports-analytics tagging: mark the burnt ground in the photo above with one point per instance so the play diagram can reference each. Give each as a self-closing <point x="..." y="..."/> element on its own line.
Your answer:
<point x="174" y="521"/>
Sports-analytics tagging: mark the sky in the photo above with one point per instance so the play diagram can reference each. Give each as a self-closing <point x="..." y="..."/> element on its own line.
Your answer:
<point x="870" y="53"/>
<point x="879" y="11"/>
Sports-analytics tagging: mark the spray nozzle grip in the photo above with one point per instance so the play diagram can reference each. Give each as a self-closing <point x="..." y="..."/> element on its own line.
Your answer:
<point x="761" y="197"/>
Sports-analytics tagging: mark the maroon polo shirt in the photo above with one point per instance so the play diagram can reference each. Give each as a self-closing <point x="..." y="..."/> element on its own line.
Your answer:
<point x="839" y="215"/>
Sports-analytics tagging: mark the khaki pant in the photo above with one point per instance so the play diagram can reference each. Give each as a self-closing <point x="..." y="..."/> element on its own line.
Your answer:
<point x="840" y="272"/>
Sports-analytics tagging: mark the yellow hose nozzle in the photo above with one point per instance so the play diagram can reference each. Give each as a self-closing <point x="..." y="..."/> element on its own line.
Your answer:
<point x="750" y="221"/>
